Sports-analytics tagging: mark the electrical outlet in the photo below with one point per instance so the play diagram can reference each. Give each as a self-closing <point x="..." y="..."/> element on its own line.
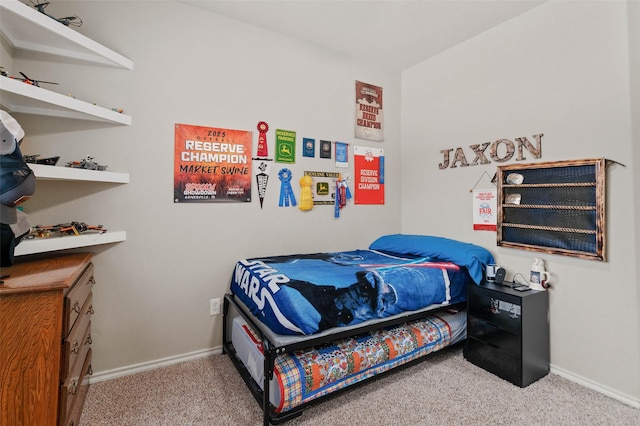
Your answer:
<point x="214" y="307"/>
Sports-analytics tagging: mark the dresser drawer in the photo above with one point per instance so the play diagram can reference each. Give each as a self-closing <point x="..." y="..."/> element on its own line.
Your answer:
<point x="495" y="360"/>
<point x="499" y="310"/>
<point x="74" y="391"/>
<point x="75" y="299"/>
<point x="78" y="341"/>
<point x="494" y="336"/>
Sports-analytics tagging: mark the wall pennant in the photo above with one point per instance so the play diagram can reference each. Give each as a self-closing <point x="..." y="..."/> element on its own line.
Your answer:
<point x="485" y="208"/>
<point x="342" y="155"/>
<point x="325" y="149"/>
<point x="262" y="168"/>
<point x="369" y="175"/>
<point x="308" y="147"/>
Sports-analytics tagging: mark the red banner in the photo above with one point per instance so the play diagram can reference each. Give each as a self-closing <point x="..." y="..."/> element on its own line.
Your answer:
<point x="369" y="175"/>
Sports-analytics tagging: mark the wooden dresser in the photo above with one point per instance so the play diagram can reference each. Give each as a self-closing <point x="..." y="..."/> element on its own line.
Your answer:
<point x="45" y="340"/>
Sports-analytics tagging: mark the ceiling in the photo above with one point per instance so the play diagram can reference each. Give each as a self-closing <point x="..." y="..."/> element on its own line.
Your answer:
<point x="396" y="34"/>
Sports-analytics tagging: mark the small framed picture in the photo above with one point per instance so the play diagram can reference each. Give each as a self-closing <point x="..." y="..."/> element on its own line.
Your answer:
<point x="325" y="149"/>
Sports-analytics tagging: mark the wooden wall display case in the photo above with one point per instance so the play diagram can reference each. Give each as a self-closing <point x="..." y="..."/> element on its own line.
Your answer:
<point x="553" y="207"/>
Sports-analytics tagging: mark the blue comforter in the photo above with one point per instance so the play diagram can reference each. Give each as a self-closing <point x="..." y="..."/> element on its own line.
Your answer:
<point x="304" y="294"/>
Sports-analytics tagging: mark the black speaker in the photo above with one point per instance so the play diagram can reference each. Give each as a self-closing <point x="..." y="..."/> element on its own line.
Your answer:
<point x="500" y="273"/>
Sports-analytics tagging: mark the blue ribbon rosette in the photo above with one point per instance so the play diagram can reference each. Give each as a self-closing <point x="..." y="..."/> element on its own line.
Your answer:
<point x="286" y="191"/>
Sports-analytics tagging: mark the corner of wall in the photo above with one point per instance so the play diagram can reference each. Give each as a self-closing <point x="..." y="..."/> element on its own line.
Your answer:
<point x="633" y="25"/>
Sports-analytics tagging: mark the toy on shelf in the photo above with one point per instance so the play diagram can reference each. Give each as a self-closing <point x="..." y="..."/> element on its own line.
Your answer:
<point x="24" y="78"/>
<point x="73" y="21"/>
<point x="33" y="159"/>
<point x="86" y="163"/>
<point x="71" y="228"/>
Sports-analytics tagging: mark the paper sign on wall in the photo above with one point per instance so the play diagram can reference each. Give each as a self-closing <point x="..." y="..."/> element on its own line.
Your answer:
<point x="369" y="175"/>
<point x="211" y="164"/>
<point x="285" y="146"/>
<point x="321" y="189"/>
<point x="484" y="209"/>
<point x="369" y="117"/>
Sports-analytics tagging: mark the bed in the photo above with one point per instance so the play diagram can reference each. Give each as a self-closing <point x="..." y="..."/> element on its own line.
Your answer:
<point x="300" y="328"/>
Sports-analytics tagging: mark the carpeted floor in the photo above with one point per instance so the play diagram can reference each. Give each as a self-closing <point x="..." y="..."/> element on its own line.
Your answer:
<point x="443" y="390"/>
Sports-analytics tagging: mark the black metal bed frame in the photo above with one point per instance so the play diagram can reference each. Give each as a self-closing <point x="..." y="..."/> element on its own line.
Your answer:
<point x="271" y="352"/>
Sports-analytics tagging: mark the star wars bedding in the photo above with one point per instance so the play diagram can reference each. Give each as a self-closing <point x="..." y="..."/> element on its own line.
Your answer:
<point x="307" y="293"/>
<point x="304" y="375"/>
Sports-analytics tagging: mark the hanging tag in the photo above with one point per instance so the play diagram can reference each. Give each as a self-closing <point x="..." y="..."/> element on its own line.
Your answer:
<point x="338" y="202"/>
<point x="346" y="189"/>
<point x="343" y="194"/>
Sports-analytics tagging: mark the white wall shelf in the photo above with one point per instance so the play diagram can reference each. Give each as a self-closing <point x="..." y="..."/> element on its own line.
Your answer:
<point x="29" y="30"/>
<point x="42" y="245"/>
<point x="33" y="35"/>
<point x="17" y="96"/>
<point x="44" y="172"/>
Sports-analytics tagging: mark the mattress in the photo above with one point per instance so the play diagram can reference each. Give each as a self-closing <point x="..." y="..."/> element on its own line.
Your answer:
<point x="303" y="375"/>
<point x="308" y="293"/>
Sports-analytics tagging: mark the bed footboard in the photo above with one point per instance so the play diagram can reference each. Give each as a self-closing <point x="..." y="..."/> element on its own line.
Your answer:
<point x="270" y="353"/>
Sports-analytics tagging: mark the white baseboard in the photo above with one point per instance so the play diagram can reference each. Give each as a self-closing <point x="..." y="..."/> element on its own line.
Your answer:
<point x="152" y="365"/>
<point x="612" y="393"/>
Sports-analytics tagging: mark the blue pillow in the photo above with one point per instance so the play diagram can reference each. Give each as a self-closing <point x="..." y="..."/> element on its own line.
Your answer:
<point x="473" y="257"/>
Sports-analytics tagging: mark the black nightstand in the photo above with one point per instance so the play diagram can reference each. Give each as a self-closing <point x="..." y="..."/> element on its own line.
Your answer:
<point x="508" y="332"/>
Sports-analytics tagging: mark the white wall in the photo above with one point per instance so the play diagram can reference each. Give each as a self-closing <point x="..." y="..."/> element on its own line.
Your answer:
<point x="561" y="69"/>
<point x="634" y="72"/>
<point x="152" y="294"/>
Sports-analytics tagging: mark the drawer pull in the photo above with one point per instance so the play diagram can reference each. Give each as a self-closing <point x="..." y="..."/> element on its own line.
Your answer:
<point x="90" y="370"/>
<point x="73" y="388"/>
<point x="76" y="307"/>
<point x="90" y="310"/>
<point x="76" y="347"/>
<point x="88" y="341"/>
<point x="91" y="281"/>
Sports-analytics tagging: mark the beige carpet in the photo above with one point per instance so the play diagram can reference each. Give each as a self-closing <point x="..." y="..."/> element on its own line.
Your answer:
<point x="443" y="390"/>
